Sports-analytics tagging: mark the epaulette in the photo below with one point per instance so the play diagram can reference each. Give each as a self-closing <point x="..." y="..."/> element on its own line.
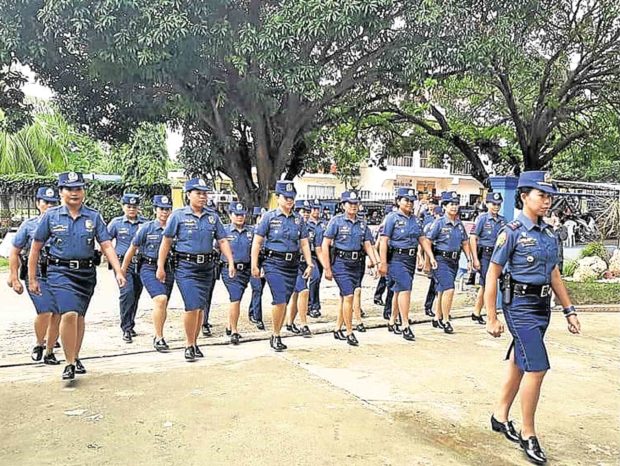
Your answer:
<point x="514" y="224"/>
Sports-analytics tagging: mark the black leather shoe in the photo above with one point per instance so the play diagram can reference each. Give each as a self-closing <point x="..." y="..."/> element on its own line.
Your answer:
<point x="478" y="319"/>
<point x="228" y="332"/>
<point x="127" y="337"/>
<point x="532" y="450"/>
<point x="408" y="334"/>
<point x="57" y="344"/>
<point x="79" y="367"/>
<point x="447" y="327"/>
<point x="133" y="333"/>
<point x="273" y="343"/>
<point x="190" y="354"/>
<point x="293" y="328"/>
<point x="314" y="313"/>
<point x="69" y="372"/>
<point x="206" y="330"/>
<point x="197" y="352"/>
<point x="394" y="329"/>
<point x="429" y="312"/>
<point x="351" y="340"/>
<point x="437" y="323"/>
<point x="37" y="353"/>
<point x="234" y="338"/>
<point x="360" y="327"/>
<point x="362" y="313"/>
<point x="252" y="319"/>
<point x="507" y="428"/>
<point x="338" y="335"/>
<point x="305" y="331"/>
<point x="260" y="325"/>
<point x="379" y="302"/>
<point x="50" y="359"/>
<point x="160" y="345"/>
<point x="279" y="343"/>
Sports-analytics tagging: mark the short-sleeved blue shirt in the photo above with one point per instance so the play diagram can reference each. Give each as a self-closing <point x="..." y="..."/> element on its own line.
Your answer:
<point x="447" y="235"/>
<point x="23" y="238"/>
<point x="148" y="238"/>
<point x="282" y="233"/>
<point x="315" y="234"/>
<point x="68" y="238"/>
<point x="123" y="230"/>
<point x="347" y="234"/>
<point x="529" y="251"/>
<point x="403" y="231"/>
<point x="194" y="233"/>
<point x="240" y="243"/>
<point x="487" y="228"/>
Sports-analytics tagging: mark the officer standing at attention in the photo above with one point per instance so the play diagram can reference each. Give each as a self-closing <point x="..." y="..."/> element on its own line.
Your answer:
<point x="448" y="236"/>
<point x="122" y="230"/>
<point x="284" y="234"/>
<point x="48" y="319"/>
<point x="399" y="250"/>
<point x="350" y="237"/>
<point x="316" y="227"/>
<point x="239" y="237"/>
<point x="482" y="240"/>
<point x="255" y="311"/>
<point x="526" y="251"/>
<point x="146" y="244"/>
<point x="194" y="228"/>
<point x="71" y="230"/>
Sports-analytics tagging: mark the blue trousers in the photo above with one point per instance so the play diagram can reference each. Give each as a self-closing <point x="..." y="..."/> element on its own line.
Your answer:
<point x="214" y="276"/>
<point x="256" y="304"/>
<point x="314" y="301"/>
<point x="129" y="298"/>
<point x="430" y="295"/>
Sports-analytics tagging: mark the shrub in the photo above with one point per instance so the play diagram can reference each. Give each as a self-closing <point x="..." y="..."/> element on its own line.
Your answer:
<point x="569" y="268"/>
<point x="595" y="249"/>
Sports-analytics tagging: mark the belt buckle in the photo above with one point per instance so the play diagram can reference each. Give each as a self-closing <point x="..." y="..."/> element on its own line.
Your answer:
<point x="412" y="252"/>
<point x="240" y="266"/>
<point x="455" y="255"/>
<point x="200" y="258"/>
<point x="134" y="260"/>
<point x="74" y="264"/>
<point x="354" y="255"/>
<point x="545" y="291"/>
<point x="288" y="256"/>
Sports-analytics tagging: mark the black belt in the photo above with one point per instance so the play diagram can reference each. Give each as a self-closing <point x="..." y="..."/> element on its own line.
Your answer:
<point x="525" y="289"/>
<point x="73" y="264"/>
<point x="353" y="255"/>
<point x="287" y="256"/>
<point x="195" y="258"/>
<point x="148" y="260"/>
<point x="486" y="249"/>
<point x="448" y="254"/>
<point x="134" y="259"/>
<point x="238" y="265"/>
<point x="405" y="251"/>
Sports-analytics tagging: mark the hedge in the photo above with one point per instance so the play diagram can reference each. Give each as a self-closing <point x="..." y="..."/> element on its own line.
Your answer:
<point x="593" y="293"/>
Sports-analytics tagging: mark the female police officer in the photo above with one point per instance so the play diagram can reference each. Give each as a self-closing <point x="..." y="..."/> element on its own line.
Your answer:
<point x="47" y="320"/>
<point x="71" y="229"/>
<point x="350" y="238"/>
<point x="194" y="228"/>
<point x="399" y="250"/>
<point x="482" y="240"/>
<point x="146" y="242"/>
<point x="284" y="233"/>
<point x="448" y="236"/>
<point x="527" y="250"/>
<point x="255" y="310"/>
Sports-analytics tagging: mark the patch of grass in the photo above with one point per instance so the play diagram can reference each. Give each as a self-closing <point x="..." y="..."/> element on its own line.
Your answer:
<point x="593" y="293"/>
<point x="4" y="264"/>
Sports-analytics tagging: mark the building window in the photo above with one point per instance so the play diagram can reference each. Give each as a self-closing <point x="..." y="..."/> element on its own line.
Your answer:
<point x="321" y="192"/>
<point x="426" y="160"/>
<point x="401" y="161"/>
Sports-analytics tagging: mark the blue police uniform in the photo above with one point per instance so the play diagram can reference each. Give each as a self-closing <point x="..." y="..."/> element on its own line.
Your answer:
<point x="487" y="229"/>
<point x="282" y="234"/>
<point x="528" y="251"/>
<point x="123" y="231"/>
<point x="315" y="238"/>
<point x="193" y="250"/>
<point x="241" y="244"/>
<point x="255" y="310"/>
<point x="447" y="237"/>
<point x="348" y="238"/>
<point x="403" y="233"/>
<point x="431" y="292"/>
<point x="71" y="273"/>
<point x="147" y="240"/>
<point x="23" y="240"/>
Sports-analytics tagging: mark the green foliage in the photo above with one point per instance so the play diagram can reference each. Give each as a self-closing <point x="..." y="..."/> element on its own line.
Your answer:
<point x="569" y="268"/>
<point x="593" y="293"/>
<point x="595" y="249"/>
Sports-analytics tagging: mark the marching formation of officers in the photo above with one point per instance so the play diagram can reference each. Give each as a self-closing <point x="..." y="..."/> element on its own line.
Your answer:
<point x="291" y="249"/>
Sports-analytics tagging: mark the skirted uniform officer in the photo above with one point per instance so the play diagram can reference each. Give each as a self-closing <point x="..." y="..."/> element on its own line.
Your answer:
<point x="146" y="245"/>
<point x="71" y="230"/>
<point x="284" y="234"/>
<point x="350" y="238"/>
<point x="255" y="311"/>
<point x="122" y="230"/>
<point x="449" y="237"/>
<point x="239" y="236"/>
<point x="48" y="319"/>
<point x="316" y="227"/>
<point x="526" y="251"/>
<point x="482" y="241"/>
<point x="194" y="228"/>
<point x="402" y="233"/>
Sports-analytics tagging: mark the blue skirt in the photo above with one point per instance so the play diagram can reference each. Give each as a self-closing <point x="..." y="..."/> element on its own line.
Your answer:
<point x="401" y="270"/>
<point x="236" y="286"/>
<point x="45" y="301"/>
<point x="301" y="283"/>
<point x="154" y="286"/>
<point x="194" y="282"/>
<point x="445" y="273"/>
<point x="281" y="276"/>
<point x="527" y="318"/>
<point x="71" y="289"/>
<point x="348" y="274"/>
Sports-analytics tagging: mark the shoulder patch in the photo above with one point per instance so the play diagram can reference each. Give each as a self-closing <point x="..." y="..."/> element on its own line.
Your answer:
<point x="501" y="239"/>
<point x="514" y="224"/>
